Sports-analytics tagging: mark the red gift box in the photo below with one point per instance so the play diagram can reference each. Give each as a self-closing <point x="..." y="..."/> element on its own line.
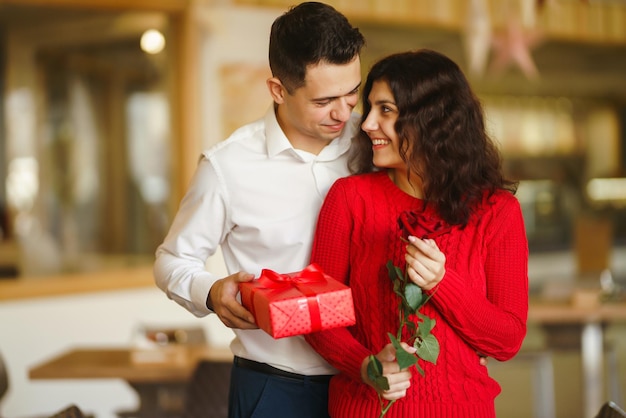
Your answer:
<point x="298" y="303"/>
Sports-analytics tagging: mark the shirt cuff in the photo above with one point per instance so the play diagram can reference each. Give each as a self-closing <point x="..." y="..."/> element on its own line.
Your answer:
<point x="200" y="288"/>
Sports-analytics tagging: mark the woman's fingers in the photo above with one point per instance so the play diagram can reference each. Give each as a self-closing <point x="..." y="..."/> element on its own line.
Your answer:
<point x="426" y="263"/>
<point x="398" y="384"/>
<point x="399" y="380"/>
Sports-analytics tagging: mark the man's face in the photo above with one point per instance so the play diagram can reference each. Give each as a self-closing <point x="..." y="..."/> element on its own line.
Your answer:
<point x="316" y="113"/>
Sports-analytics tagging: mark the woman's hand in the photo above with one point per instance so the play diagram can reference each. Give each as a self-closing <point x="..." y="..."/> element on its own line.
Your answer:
<point x="426" y="264"/>
<point x="399" y="380"/>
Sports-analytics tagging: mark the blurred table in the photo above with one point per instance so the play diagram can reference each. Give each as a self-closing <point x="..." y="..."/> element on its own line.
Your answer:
<point x="150" y="372"/>
<point x="589" y="320"/>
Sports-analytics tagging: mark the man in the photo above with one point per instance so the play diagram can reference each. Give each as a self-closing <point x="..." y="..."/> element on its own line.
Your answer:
<point x="257" y="195"/>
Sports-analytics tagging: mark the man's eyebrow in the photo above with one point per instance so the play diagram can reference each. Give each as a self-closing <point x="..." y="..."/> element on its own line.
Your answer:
<point x="356" y="88"/>
<point x="323" y="99"/>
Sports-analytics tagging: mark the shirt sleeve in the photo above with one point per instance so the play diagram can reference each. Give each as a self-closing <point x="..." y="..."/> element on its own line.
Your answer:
<point x="493" y="323"/>
<point x="199" y="226"/>
<point x="331" y="249"/>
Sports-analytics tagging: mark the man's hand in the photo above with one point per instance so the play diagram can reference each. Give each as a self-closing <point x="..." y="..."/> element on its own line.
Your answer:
<point x="399" y="380"/>
<point x="223" y="301"/>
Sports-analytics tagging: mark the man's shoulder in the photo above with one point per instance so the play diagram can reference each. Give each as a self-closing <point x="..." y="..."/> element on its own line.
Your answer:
<point x="249" y="137"/>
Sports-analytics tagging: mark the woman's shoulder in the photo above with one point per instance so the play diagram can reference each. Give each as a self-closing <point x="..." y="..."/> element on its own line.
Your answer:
<point x="500" y="207"/>
<point x="355" y="186"/>
<point x="502" y="198"/>
<point x="365" y="179"/>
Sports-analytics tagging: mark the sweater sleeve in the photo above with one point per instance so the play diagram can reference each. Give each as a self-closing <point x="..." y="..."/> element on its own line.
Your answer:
<point x="331" y="249"/>
<point x="493" y="323"/>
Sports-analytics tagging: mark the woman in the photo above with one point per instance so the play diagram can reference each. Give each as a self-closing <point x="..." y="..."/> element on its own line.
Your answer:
<point x="423" y="154"/>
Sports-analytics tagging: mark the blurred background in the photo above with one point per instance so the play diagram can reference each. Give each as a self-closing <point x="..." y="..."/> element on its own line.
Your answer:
<point x="106" y="105"/>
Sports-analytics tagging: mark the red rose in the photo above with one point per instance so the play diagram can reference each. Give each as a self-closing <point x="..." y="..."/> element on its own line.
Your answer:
<point x="421" y="225"/>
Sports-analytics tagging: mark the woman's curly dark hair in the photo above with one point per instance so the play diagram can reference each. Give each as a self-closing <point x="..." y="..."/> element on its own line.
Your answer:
<point x="441" y="126"/>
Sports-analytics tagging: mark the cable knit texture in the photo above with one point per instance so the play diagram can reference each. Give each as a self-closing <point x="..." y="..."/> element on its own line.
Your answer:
<point x="480" y="306"/>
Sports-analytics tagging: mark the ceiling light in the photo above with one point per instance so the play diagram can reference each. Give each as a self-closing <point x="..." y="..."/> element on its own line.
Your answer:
<point x="152" y="41"/>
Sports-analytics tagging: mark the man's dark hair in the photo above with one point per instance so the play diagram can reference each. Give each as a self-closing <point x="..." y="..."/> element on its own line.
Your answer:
<point x="307" y="34"/>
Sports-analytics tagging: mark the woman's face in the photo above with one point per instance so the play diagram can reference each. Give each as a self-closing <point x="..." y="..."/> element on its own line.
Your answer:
<point x="380" y="127"/>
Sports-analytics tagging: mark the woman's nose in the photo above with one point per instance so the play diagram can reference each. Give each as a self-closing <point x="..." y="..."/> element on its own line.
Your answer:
<point x="369" y="124"/>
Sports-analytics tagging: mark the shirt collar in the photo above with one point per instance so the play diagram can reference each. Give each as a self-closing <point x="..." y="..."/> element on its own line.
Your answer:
<point x="275" y="138"/>
<point x="277" y="141"/>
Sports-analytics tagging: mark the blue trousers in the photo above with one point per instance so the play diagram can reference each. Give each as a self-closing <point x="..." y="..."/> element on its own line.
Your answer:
<point x="259" y="395"/>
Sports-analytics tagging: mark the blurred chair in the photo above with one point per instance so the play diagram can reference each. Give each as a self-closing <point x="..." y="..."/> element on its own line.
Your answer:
<point x="613" y="378"/>
<point x="4" y="381"/>
<point x="539" y="362"/>
<point x="543" y="381"/>
<point x="71" y="411"/>
<point x="611" y="410"/>
<point x="4" y="378"/>
<point x="169" y="398"/>
<point x="567" y="338"/>
<point x="207" y="391"/>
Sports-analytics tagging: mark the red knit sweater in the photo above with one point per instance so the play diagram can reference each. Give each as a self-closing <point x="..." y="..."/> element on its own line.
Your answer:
<point x="480" y="305"/>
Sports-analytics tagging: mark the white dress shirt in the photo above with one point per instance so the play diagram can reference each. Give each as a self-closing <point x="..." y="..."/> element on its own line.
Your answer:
<point x="258" y="198"/>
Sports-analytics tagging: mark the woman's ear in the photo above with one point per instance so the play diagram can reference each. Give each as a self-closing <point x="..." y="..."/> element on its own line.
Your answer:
<point x="277" y="90"/>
